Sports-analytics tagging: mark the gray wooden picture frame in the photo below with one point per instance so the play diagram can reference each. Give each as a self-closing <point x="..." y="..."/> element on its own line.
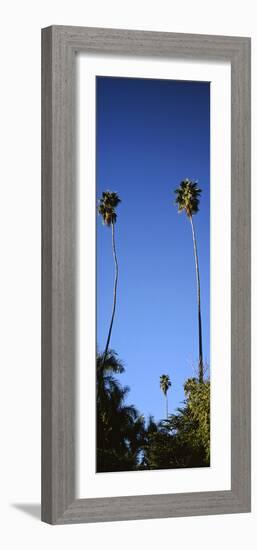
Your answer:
<point x="59" y="47"/>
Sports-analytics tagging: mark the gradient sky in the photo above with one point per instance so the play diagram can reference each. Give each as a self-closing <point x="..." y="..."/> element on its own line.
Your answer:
<point x="151" y="134"/>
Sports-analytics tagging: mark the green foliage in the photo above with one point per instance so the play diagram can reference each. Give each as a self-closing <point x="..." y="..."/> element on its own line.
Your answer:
<point x="165" y="383"/>
<point x="120" y="429"/>
<point x="125" y="441"/>
<point x="107" y="207"/>
<point x="198" y="402"/>
<point x="188" y="197"/>
<point x="183" y="441"/>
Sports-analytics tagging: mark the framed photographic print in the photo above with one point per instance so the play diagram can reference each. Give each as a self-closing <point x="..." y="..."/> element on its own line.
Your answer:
<point x="145" y="275"/>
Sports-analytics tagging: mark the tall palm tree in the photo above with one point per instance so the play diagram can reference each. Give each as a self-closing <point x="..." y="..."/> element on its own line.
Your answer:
<point x="107" y="209"/>
<point x="165" y="384"/>
<point x="187" y="199"/>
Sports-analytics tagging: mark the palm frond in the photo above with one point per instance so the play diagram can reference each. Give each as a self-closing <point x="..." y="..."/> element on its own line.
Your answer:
<point x="165" y="383"/>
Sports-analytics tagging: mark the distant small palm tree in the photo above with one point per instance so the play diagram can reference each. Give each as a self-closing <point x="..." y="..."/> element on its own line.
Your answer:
<point x="107" y="209"/>
<point x="187" y="199"/>
<point x="165" y="384"/>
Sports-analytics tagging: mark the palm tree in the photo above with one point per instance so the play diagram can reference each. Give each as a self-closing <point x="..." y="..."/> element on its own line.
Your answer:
<point x="165" y="384"/>
<point x="120" y="428"/>
<point x="107" y="209"/>
<point x="188" y="200"/>
<point x="108" y="388"/>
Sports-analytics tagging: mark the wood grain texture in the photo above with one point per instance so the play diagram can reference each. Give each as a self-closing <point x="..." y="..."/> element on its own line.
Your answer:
<point x="59" y="47"/>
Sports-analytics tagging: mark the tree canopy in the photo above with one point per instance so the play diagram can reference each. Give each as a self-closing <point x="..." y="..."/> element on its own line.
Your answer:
<point x="107" y="207"/>
<point x="127" y="441"/>
<point x="188" y="197"/>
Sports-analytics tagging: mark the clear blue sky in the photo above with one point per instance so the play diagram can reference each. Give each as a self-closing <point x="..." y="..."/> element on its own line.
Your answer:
<point x="151" y="134"/>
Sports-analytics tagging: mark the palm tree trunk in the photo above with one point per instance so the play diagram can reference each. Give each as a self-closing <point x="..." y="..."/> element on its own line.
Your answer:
<point x="200" y="364"/>
<point x="114" y="293"/>
<point x="167" y="413"/>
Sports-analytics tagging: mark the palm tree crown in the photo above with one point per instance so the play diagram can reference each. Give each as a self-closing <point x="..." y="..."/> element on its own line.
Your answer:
<point x="188" y="197"/>
<point x="107" y="205"/>
<point x="165" y="383"/>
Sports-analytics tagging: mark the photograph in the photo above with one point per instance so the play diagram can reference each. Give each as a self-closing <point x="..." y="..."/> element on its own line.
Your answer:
<point x="146" y="263"/>
<point x="153" y="274"/>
